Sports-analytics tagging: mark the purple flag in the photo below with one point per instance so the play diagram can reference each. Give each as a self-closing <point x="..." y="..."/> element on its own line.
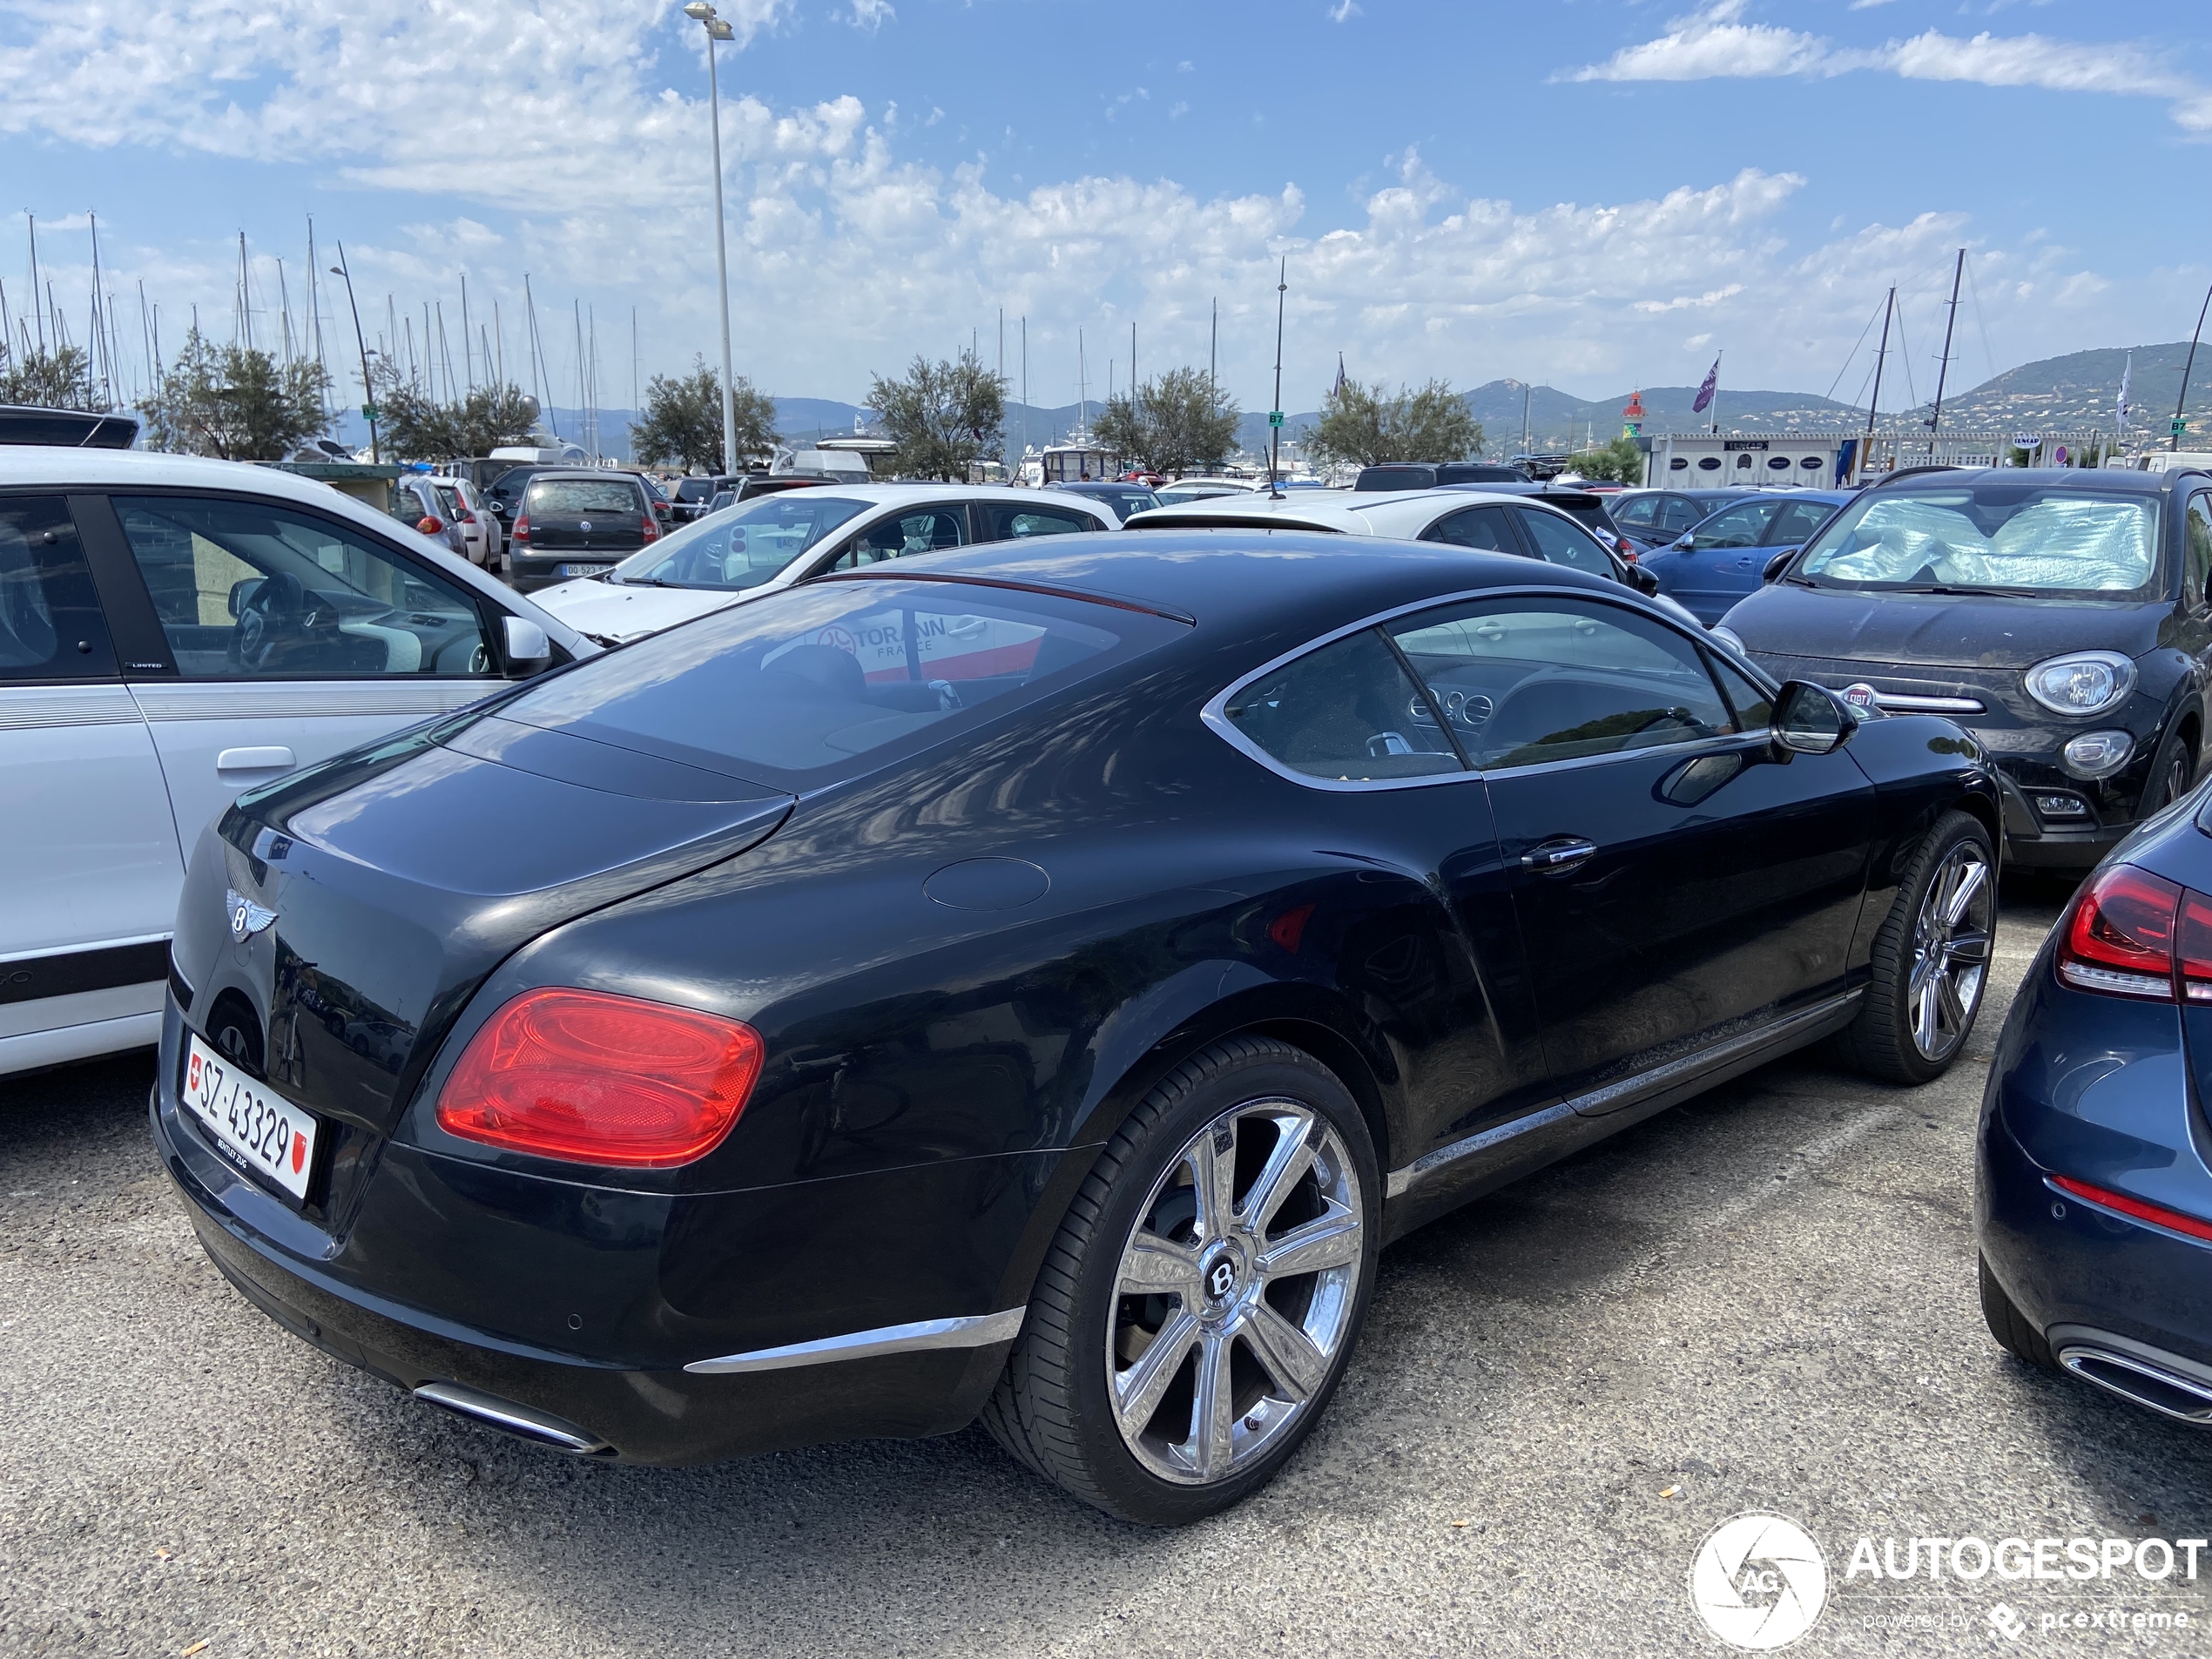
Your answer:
<point x="1705" y="392"/>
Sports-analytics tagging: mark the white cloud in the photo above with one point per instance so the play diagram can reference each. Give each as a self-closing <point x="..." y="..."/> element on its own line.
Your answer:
<point x="1714" y="42"/>
<point x="1344" y="10"/>
<point x="872" y="15"/>
<point x="846" y="255"/>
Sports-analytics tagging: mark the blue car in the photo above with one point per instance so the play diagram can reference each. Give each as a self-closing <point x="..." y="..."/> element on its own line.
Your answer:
<point x="2094" y="1180"/>
<point x="1720" y="560"/>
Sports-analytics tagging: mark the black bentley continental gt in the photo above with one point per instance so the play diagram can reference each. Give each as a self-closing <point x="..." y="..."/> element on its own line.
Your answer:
<point x="1025" y="981"/>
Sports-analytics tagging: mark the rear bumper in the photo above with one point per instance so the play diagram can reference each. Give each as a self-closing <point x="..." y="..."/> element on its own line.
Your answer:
<point x="528" y="571"/>
<point x="2094" y="1088"/>
<point x="674" y="1334"/>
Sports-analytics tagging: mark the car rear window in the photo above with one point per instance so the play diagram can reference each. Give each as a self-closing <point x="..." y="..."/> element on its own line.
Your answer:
<point x="742" y="547"/>
<point x="562" y="497"/>
<point x="798" y="686"/>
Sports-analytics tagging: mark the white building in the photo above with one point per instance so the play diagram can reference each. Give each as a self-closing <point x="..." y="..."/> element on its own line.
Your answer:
<point x="1769" y="460"/>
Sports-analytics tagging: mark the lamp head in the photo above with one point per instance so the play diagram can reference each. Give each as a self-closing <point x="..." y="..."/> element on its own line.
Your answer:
<point x="698" y="11"/>
<point x="718" y="28"/>
<point x="336" y="271"/>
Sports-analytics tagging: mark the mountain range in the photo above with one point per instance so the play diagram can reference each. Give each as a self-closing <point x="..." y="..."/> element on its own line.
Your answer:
<point x="2069" y="393"/>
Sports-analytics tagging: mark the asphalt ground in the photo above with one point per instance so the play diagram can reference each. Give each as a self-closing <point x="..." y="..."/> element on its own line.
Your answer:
<point x="1762" y="1300"/>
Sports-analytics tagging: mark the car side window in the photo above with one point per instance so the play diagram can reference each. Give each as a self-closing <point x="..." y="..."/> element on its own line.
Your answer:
<point x="251" y="589"/>
<point x="2200" y="549"/>
<point x="1679" y="513"/>
<point x="1526" y="681"/>
<point x="1347" y="712"/>
<point x="1636" y="514"/>
<point x="1738" y="526"/>
<point x="923" y="531"/>
<point x="1794" y="525"/>
<point x="1479" y="527"/>
<point x="1559" y="540"/>
<point x="1753" y="708"/>
<point x="50" y="623"/>
<point x="1011" y="523"/>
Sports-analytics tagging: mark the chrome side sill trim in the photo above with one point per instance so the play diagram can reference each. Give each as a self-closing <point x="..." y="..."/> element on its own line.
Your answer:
<point x="1616" y="1094"/>
<point x="969" y="1331"/>
<point x="1399" y="1180"/>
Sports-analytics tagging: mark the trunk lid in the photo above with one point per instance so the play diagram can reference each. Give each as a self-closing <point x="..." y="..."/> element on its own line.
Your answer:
<point x="401" y="876"/>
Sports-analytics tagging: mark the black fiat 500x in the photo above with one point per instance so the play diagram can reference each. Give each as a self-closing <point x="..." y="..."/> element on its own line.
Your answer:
<point x="1031" y="983"/>
<point x="2059" y="616"/>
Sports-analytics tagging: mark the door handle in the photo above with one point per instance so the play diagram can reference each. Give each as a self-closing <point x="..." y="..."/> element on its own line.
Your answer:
<point x="1556" y="857"/>
<point x="273" y="758"/>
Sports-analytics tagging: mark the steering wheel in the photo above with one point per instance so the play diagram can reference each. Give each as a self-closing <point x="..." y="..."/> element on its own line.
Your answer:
<point x="278" y="608"/>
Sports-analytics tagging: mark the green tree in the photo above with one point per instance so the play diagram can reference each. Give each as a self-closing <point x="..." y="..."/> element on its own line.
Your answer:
<point x="682" y="422"/>
<point x="1619" y="462"/>
<point x="412" y="427"/>
<point x="942" y="415"/>
<point x="235" y="403"/>
<point x="1172" y="425"/>
<point x="61" y="378"/>
<point x="1368" y="425"/>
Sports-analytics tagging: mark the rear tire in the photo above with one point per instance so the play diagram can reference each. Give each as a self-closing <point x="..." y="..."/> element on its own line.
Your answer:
<point x="1931" y="958"/>
<point x="2015" y="1334"/>
<point x="1251" y="1277"/>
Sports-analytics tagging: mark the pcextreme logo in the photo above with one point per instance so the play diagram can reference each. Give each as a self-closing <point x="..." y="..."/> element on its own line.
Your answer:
<point x="1758" y="1581"/>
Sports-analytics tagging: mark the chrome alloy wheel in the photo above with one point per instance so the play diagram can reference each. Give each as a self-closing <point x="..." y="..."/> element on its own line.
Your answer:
<point x="1951" y="944"/>
<point x="1235" y="1290"/>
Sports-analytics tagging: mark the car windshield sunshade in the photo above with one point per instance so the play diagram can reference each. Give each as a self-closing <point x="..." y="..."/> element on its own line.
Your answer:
<point x="794" y="687"/>
<point x="2001" y="537"/>
<point x="742" y="548"/>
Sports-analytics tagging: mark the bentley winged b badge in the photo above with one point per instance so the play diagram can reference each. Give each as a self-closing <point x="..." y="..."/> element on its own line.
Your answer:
<point x="247" y="917"/>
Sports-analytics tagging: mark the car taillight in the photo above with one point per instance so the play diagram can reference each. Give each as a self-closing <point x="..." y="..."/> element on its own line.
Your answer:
<point x="2118" y="935"/>
<point x="522" y="530"/>
<point x="429" y="525"/>
<point x="651" y="531"/>
<point x="591" y="1078"/>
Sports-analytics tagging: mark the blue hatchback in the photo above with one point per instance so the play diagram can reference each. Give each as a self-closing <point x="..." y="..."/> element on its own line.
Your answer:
<point x="1721" y="559"/>
<point x="2094" y="1180"/>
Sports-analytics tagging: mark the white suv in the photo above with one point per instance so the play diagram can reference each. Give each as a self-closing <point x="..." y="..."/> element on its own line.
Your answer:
<point x="774" y="541"/>
<point x="172" y="632"/>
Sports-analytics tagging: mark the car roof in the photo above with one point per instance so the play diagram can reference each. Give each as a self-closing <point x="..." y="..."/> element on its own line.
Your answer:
<point x="1253" y="581"/>
<point x="2046" y="477"/>
<point x="558" y="472"/>
<point x="1350" y="513"/>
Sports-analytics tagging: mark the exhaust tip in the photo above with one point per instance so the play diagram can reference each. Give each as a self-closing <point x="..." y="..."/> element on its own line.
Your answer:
<point x="520" y="1421"/>
<point x="2170" y="1395"/>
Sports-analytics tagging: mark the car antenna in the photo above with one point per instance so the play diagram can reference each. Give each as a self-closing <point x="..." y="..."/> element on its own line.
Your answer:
<point x="1275" y="416"/>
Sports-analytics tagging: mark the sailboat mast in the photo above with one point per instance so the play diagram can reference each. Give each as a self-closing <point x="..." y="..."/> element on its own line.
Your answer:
<point x="1943" y="367"/>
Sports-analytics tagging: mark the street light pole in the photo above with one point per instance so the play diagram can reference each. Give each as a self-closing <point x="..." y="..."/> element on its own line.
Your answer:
<point x="368" y="390"/>
<point x="716" y="28"/>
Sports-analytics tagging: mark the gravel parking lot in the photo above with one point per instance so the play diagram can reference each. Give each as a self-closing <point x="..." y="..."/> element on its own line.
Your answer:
<point x="1762" y="1300"/>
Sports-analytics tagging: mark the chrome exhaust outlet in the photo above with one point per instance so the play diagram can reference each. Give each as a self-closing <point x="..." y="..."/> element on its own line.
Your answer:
<point x="519" y="1420"/>
<point x="2186" y="1400"/>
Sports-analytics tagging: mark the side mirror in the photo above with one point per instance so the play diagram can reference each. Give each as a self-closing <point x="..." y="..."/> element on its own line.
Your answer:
<point x="1643" y="580"/>
<point x="526" y="644"/>
<point x="242" y="594"/>
<point x="1778" y="564"/>
<point x="662" y="509"/>
<point x="1809" y="720"/>
<point x="1684" y="542"/>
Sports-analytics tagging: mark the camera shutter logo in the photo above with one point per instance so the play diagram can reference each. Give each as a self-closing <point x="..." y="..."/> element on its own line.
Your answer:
<point x="1758" y="1581"/>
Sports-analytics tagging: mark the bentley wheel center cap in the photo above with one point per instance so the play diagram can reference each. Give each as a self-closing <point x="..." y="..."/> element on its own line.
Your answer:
<point x="1222" y="1275"/>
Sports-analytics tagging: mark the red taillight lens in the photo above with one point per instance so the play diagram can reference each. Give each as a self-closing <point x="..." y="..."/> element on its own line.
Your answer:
<point x="522" y="530"/>
<point x="651" y="531"/>
<point x="2157" y="1214"/>
<point x="2192" y="946"/>
<point x="591" y="1078"/>
<point x="429" y="525"/>
<point x="2118" y="936"/>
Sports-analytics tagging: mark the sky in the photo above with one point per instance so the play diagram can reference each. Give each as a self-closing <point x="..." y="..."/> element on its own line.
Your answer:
<point x="1592" y="193"/>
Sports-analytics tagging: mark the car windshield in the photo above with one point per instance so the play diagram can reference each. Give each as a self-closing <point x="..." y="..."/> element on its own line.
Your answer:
<point x="1181" y="495"/>
<point x="742" y="546"/>
<point x="806" y="680"/>
<point x="1989" y="538"/>
<point x="566" y="497"/>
